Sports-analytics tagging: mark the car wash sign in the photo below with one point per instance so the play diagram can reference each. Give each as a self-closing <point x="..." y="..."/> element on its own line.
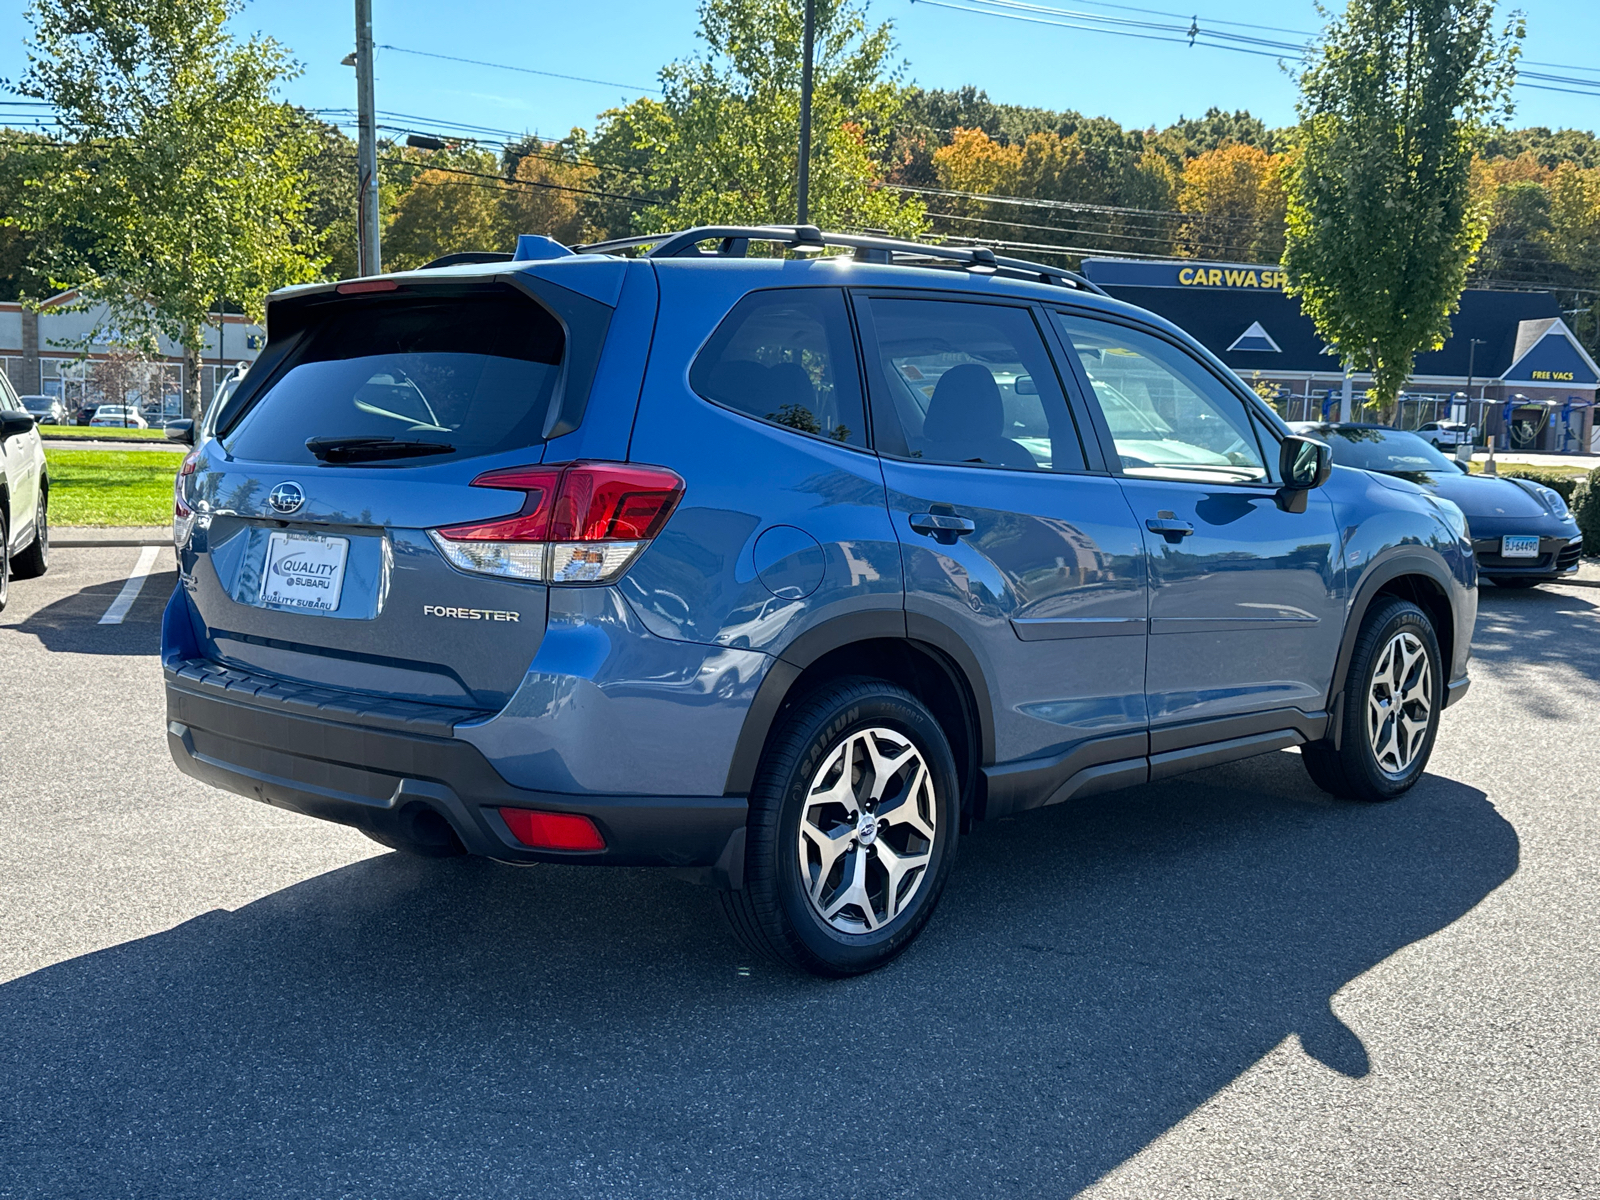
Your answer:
<point x="1179" y="273"/>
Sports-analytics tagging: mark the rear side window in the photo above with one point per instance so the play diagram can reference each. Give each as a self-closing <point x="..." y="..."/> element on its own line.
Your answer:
<point x="786" y="356"/>
<point x="473" y="373"/>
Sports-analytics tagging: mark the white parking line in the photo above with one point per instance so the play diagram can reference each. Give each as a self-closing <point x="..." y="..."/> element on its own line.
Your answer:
<point x="132" y="586"/>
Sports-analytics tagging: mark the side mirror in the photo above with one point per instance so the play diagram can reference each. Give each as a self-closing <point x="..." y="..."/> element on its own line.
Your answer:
<point x="1026" y="386"/>
<point x="180" y="431"/>
<point x="14" y="423"/>
<point x="1303" y="463"/>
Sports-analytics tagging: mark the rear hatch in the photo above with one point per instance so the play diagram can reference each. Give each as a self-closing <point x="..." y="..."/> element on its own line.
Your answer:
<point x="362" y="426"/>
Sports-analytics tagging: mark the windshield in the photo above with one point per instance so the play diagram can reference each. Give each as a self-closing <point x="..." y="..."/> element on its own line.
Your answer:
<point x="38" y="403"/>
<point x="471" y="373"/>
<point x="1390" y="450"/>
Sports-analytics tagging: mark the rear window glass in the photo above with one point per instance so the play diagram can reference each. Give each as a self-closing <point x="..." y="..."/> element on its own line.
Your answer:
<point x="472" y="373"/>
<point x="786" y="356"/>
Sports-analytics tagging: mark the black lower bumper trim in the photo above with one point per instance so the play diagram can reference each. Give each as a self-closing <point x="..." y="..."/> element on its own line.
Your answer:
<point x="370" y="778"/>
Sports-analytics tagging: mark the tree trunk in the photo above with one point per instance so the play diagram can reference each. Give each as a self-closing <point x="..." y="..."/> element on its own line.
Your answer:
<point x="32" y="380"/>
<point x="193" y="368"/>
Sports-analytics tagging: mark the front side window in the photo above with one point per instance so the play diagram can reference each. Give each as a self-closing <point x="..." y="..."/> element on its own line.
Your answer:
<point x="786" y="356"/>
<point x="1169" y="416"/>
<point x="973" y="384"/>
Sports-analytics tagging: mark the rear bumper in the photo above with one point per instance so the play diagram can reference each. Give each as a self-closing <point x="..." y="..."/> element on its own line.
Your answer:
<point x="372" y="778"/>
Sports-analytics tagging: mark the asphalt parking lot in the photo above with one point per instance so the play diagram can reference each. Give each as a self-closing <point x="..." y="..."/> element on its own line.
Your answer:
<point x="1227" y="985"/>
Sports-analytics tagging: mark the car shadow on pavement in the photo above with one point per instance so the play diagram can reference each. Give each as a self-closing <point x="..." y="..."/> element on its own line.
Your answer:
<point x="71" y="625"/>
<point x="401" y="1027"/>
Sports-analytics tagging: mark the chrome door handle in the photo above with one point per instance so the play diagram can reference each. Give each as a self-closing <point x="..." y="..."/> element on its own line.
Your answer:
<point x="1173" y="531"/>
<point x="944" y="528"/>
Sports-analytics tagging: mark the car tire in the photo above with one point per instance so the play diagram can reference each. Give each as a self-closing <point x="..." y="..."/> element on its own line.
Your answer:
<point x="35" y="560"/>
<point x="1381" y="752"/>
<point x="837" y="898"/>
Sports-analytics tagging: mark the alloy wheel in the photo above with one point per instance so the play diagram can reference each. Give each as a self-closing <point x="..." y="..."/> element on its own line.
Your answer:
<point x="1400" y="703"/>
<point x="867" y="830"/>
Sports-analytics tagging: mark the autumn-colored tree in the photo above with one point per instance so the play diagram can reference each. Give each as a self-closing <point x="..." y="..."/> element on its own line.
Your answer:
<point x="547" y="194"/>
<point x="1233" y="198"/>
<point x="454" y="204"/>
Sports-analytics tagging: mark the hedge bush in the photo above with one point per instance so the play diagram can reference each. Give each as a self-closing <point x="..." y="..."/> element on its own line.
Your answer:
<point x="1585" y="504"/>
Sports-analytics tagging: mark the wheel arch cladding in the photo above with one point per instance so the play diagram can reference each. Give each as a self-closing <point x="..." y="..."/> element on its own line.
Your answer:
<point x="944" y="685"/>
<point x="1414" y="577"/>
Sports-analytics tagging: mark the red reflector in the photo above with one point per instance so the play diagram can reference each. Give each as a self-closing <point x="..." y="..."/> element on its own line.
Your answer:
<point x="367" y="285"/>
<point x="581" y="502"/>
<point x="552" y="831"/>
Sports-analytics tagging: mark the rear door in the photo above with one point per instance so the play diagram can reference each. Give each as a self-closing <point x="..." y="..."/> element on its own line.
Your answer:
<point x="1246" y="601"/>
<point x="311" y="559"/>
<point x="1014" y="538"/>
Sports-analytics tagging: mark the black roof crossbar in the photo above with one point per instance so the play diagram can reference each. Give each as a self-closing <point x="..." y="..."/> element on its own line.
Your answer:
<point x="733" y="241"/>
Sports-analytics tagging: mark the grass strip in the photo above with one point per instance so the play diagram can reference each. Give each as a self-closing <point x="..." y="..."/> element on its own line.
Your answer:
<point x="111" y="487"/>
<point x="91" y="432"/>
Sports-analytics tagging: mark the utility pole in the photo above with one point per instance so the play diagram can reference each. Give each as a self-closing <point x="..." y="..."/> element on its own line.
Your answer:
<point x="367" y="147"/>
<point x="805" y="115"/>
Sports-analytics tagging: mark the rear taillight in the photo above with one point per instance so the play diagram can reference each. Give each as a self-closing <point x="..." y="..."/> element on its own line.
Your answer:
<point x="182" y="514"/>
<point x="581" y="523"/>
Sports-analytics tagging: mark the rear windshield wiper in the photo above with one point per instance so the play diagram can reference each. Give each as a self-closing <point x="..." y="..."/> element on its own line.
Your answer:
<point x="371" y="449"/>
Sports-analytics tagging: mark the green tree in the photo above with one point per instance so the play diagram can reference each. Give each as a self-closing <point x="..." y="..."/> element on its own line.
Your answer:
<point x="720" y="147"/>
<point x="1382" y="222"/>
<point x="182" y="179"/>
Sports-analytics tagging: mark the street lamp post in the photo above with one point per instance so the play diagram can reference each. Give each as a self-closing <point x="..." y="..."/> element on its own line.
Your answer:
<point x="804" y="183"/>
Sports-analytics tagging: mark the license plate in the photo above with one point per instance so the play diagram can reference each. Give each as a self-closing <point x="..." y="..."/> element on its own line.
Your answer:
<point x="304" y="571"/>
<point x="1519" y="546"/>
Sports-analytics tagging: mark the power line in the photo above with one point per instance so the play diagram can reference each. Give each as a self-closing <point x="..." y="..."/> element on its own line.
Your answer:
<point x="478" y="62"/>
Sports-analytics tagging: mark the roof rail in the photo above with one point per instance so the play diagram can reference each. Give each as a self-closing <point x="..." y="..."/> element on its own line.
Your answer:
<point x="733" y="241"/>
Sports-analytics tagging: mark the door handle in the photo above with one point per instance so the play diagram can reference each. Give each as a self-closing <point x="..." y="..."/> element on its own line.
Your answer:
<point x="1173" y="531"/>
<point x="943" y="528"/>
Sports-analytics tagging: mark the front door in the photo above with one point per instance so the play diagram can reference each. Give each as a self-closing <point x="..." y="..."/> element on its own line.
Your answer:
<point x="1012" y="541"/>
<point x="1246" y="603"/>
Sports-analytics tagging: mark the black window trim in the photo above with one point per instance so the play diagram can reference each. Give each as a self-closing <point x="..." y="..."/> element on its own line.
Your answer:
<point x="890" y="420"/>
<point x="855" y="348"/>
<point x="1253" y="405"/>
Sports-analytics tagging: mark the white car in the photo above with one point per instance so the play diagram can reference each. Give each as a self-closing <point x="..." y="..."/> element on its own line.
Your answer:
<point x="24" y="494"/>
<point x="118" y="416"/>
<point x="1447" y="433"/>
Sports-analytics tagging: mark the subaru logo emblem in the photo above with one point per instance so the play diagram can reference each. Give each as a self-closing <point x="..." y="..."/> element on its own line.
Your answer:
<point x="286" y="498"/>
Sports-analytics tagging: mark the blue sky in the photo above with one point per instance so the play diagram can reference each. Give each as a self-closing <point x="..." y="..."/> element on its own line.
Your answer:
<point x="625" y="41"/>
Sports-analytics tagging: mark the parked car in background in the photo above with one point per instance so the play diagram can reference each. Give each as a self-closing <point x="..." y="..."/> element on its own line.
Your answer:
<point x="597" y="558"/>
<point x="46" y="410"/>
<point x="119" y="416"/>
<point x="24" y="494"/>
<point x="1522" y="532"/>
<point x="1441" y="434"/>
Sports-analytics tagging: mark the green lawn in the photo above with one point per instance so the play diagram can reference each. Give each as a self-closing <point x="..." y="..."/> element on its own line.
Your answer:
<point x="111" y="487"/>
<point x="88" y="431"/>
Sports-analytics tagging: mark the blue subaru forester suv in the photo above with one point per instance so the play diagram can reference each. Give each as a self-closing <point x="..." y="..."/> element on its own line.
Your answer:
<point x="781" y="569"/>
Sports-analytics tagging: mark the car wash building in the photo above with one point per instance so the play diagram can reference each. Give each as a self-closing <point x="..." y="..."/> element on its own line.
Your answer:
<point x="1511" y="366"/>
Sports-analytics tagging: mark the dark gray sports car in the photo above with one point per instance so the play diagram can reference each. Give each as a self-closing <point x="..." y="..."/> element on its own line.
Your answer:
<point x="1522" y="533"/>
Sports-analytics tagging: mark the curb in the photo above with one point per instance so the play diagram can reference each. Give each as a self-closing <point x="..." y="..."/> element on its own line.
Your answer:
<point x="79" y="537"/>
